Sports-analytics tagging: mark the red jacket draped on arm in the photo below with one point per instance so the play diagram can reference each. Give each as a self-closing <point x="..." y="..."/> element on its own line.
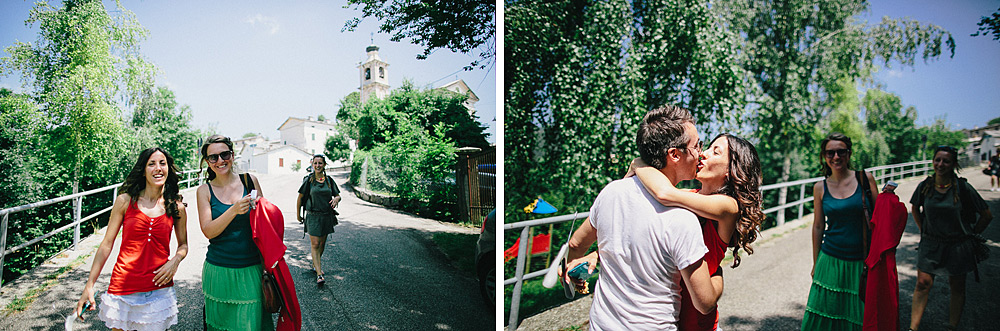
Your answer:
<point x="882" y="290"/>
<point x="268" y="226"/>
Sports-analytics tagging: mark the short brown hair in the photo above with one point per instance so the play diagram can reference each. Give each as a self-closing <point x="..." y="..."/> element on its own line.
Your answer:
<point x="661" y="129"/>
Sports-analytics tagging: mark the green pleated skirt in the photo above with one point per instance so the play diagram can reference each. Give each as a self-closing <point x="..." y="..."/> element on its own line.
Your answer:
<point x="233" y="298"/>
<point x="834" y="303"/>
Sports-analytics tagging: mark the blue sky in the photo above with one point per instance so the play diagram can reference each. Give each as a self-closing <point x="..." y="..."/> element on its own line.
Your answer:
<point x="966" y="88"/>
<point x="248" y="66"/>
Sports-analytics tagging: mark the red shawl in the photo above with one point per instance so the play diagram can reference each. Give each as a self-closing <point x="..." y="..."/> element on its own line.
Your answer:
<point x="882" y="290"/>
<point x="268" y="226"/>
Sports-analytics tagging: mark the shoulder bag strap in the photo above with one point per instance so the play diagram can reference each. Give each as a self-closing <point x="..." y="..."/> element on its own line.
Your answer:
<point x="865" y="196"/>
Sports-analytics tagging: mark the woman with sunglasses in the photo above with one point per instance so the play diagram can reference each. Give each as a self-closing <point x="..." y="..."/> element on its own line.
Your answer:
<point x="944" y="207"/>
<point x="140" y="294"/>
<point x="321" y="195"/>
<point x="837" y="240"/>
<point x="232" y="270"/>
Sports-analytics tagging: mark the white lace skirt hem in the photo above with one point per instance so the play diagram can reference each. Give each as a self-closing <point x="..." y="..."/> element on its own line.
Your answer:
<point x="153" y="310"/>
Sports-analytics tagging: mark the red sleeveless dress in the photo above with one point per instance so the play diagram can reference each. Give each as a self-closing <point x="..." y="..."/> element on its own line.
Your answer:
<point x="691" y="318"/>
<point x="145" y="247"/>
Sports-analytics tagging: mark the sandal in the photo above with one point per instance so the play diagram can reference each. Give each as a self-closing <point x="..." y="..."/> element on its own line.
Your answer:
<point x="320" y="280"/>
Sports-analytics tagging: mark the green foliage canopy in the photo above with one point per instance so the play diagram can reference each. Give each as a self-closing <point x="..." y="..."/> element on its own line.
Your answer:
<point x="989" y="25"/>
<point x="460" y="26"/>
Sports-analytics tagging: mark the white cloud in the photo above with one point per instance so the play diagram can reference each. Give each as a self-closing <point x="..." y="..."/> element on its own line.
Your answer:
<point x="268" y="23"/>
<point x="895" y="73"/>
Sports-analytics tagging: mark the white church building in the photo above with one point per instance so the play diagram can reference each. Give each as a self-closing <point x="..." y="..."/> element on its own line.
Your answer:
<point x="301" y="138"/>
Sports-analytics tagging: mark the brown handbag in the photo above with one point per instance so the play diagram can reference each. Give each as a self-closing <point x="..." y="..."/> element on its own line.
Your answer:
<point x="272" y="294"/>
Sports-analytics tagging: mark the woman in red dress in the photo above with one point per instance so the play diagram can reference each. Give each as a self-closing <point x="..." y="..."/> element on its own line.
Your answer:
<point x="140" y="295"/>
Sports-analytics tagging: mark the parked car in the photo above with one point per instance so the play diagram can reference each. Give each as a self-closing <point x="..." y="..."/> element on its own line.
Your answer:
<point x="486" y="260"/>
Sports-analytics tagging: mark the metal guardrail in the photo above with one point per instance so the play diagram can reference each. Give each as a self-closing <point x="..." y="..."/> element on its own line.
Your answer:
<point x="77" y="209"/>
<point x="891" y="172"/>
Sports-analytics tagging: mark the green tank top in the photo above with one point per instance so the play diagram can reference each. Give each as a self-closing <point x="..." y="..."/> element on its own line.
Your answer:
<point x="844" y="219"/>
<point x="234" y="247"/>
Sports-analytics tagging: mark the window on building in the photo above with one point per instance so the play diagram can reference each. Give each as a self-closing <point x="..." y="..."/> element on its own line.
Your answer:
<point x="381" y="72"/>
<point x="368" y="73"/>
<point x="281" y="162"/>
<point x="314" y="136"/>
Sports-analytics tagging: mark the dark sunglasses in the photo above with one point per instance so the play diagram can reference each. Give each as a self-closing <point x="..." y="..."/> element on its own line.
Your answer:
<point x="840" y="152"/>
<point x="226" y="156"/>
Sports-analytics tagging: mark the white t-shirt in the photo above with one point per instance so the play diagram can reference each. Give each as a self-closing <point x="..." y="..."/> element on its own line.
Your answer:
<point x="643" y="245"/>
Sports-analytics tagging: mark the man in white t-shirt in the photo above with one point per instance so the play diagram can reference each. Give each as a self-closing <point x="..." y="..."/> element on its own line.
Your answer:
<point x="645" y="248"/>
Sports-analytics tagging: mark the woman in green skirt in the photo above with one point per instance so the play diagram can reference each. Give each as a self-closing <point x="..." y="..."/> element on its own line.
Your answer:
<point x="834" y="303"/>
<point x="232" y="270"/>
<point x="320" y="196"/>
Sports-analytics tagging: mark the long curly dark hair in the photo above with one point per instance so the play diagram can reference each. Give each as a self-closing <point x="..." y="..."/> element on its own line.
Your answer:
<point x="215" y="138"/>
<point x="743" y="184"/>
<point x="135" y="181"/>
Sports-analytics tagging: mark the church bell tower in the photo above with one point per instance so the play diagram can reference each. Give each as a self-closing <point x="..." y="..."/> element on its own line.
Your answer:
<point x="374" y="78"/>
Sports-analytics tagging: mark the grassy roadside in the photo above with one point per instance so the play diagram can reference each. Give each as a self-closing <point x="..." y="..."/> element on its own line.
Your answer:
<point x="460" y="248"/>
<point x="535" y="298"/>
<point x="21" y="303"/>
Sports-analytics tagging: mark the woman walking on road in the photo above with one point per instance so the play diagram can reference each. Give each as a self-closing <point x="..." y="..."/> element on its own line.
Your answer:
<point x="944" y="207"/>
<point x="140" y="294"/>
<point x="319" y="195"/>
<point x="837" y="245"/>
<point x="231" y="276"/>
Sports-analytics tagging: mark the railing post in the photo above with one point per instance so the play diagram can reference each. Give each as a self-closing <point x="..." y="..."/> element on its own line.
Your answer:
<point x="515" y="300"/>
<point x="3" y="244"/>
<point x="802" y="195"/>
<point x="77" y="206"/>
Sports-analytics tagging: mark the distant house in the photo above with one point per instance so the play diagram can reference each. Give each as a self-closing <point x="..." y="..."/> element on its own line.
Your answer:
<point x="982" y="143"/>
<point x="460" y="87"/>
<point x="277" y="159"/>
<point x="301" y="138"/>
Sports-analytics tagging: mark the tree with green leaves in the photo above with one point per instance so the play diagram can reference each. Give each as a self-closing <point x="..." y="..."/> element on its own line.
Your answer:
<point x="21" y="137"/>
<point x="885" y="116"/>
<point x="989" y="25"/>
<point x="83" y="70"/>
<point x="580" y="76"/>
<point x="429" y="109"/>
<point x="994" y="121"/>
<point x="459" y="26"/>
<point x="798" y="52"/>
<point x="158" y="120"/>
<point x="338" y="147"/>
<point x="940" y="134"/>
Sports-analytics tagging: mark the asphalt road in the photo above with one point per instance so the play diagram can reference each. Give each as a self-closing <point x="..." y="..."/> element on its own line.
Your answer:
<point x="768" y="291"/>
<point x="383" y="272"/>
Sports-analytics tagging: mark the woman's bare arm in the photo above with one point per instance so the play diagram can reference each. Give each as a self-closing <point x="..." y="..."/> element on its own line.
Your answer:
<point x="719" y="207"/>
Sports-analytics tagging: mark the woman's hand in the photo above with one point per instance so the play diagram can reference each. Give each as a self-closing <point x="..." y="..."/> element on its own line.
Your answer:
<point x="636" y="163"/>
<point x="299" y="218"/>
<point x="87" y="296"/>
<point x="165" y="274"/>
<point x="243" y="205"/>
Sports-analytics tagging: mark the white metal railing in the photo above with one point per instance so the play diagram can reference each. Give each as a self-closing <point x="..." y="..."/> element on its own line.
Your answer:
<point x="192" y="176"/>
<point x="891" y="172"/>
